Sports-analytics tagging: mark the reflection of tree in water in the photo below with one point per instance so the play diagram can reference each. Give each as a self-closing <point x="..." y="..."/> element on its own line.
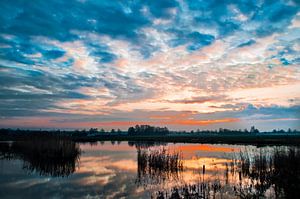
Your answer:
<point x="277" y="172"/>
<point x="145" y="145"/>
<point x="47" y="155"/>
<point x="157" y="165"/>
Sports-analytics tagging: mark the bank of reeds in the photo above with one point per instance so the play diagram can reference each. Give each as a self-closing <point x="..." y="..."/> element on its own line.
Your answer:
<point x="46" y="155"/>
<point x="158" y="165"/>
<point x="276" y="172"/>
<point x="279" y="169"/>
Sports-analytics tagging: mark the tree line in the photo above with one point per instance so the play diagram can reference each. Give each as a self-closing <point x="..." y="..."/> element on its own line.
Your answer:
<point x="138" y="130"/>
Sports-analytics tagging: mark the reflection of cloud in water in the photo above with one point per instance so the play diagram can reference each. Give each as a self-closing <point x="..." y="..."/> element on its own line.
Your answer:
<point x="93" y="179"/>
<point x="27" y="183"/>
<point x="94" y="165"/>
<point x="100" y="173"/>
<point x="101" y="170"/>
<point x="125" y="165"/>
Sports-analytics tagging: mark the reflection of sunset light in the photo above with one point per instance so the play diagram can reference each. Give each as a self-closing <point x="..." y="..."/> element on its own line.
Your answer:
<point x="104" y="168"/>
<point x="204" y="147"/>
<point x="210" y="163"/>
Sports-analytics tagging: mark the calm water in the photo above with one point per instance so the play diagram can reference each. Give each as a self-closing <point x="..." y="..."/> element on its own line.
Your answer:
<point x="63" y="169"/>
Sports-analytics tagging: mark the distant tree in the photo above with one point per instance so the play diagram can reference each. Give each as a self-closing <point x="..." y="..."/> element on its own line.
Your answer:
<point x="131" y="131"/>
<point x="281" y="131"/>
<point x="102" y="130"/>
<point x="147" y="130"/>
<point x="295" y="131"/>
<point x="254" y="130"/>
<point x="93" y="130"/>
<point x="137" y="129"/>
<point x="119" y="131"/>
<point x="113" y="131"/>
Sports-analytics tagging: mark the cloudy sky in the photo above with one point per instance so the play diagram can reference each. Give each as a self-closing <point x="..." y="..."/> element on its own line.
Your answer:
<point x="182" y="64"/>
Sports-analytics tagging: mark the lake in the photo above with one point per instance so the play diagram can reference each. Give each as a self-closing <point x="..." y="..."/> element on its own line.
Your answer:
<point x="65" y="169"/>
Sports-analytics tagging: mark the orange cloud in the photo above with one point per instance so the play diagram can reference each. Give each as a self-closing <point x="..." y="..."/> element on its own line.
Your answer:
<point x="168" y="122"/>
<point x="201" y="122"/>
<point x="179" y="115"/>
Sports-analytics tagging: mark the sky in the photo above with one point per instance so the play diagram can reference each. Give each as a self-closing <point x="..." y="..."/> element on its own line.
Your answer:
<point x="189" y="65"/>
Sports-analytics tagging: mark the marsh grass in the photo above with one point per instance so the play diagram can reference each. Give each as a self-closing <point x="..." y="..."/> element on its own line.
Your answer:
<point x="46" y="155"/>
<point x="272" y="174"/>
<point x="158" y="165"/>
<point x="279" y="170"/>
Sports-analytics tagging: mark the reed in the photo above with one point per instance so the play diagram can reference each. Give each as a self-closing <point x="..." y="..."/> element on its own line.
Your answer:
<point x="46" y="155"/>
<point x="158" y="165"/>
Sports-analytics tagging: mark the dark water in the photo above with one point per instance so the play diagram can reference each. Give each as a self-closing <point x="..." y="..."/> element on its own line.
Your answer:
<point x="64" y="169"/>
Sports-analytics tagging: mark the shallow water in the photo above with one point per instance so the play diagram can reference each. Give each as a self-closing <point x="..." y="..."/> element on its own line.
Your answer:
<point x="133" y="170"/>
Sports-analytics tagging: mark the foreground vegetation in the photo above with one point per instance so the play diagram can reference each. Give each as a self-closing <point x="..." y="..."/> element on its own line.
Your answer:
<point x="276" y="174"/>
<point x="46" y="155"/>
<point x="157" y="166"/>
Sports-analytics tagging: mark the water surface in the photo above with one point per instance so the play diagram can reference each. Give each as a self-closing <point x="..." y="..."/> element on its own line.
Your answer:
<point x="64" y="169"/>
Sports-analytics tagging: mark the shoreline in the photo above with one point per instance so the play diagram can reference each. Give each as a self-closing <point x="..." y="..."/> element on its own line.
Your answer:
<point x="256" y="139"/>
<point x="212" y="139"/>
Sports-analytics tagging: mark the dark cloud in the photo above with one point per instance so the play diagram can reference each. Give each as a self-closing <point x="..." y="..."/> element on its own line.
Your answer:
<point x="272" y="111"/>
<point x="56" y="19"/>
<point x="24" y="50"/>
<point x="31" y="91"/>
<point x="195" y="40"/>
<point x="124" y="20"/>
<point x="248" y="43"/>
<point x="273" y="16"/>
<point x="161" y="9"/>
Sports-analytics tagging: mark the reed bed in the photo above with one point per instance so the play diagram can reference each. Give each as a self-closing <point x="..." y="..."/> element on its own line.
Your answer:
<point x="158" y="165"/>
<point x="46" y="155"/>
